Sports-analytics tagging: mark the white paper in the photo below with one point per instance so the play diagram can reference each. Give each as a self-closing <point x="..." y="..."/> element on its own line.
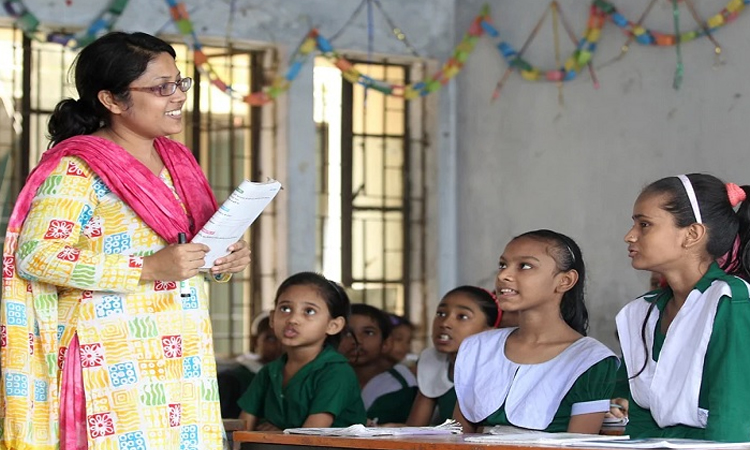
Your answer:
<point x="522" y="436"/>
<point x="665" y="443"/>
<point x="234" y="216"/>
<point x="359" y="430"/>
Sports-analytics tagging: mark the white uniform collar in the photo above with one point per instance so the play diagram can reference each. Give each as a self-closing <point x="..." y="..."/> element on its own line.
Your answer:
<point x="670" y="388"/>
<point x="485" y="379"/>
<point x="432" y="373"/>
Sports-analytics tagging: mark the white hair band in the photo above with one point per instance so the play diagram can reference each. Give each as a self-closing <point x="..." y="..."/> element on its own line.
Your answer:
<point x="691" y="195"/>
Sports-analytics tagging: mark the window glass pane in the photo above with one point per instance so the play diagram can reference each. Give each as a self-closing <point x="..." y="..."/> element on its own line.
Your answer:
<point x="377" y="244"/>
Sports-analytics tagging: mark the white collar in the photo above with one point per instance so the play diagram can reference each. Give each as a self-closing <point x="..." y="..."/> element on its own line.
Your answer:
<point x="482" y="368"/>
<point x="432" y="373"/>
<point x="670" y="388"/>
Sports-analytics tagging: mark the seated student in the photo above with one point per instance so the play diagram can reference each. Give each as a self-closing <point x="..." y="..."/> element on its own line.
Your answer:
<point x="544" y="374"/>
<point x="462" y="312"/>
<point x="618" y="407"/>
<point x="685" y="346"/>
<point x="387" y="393"/>
<point x="311" y="385"/>
<point x="402" y="332"/>
<point x="235" y="379"/>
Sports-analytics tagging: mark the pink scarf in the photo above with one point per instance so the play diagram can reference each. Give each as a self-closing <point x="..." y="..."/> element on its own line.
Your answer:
<point x="134" y="183"/>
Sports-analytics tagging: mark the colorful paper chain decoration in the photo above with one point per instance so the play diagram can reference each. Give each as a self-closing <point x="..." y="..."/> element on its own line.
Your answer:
<point x="450" y="69"/>
<point x="29" y="24"/>
<point x="645" y="36"/>
<point x="315" y="41"/>
<point x="600" y="10"/>
<point x="579" y="59"/>
<point x="280" y="84"/>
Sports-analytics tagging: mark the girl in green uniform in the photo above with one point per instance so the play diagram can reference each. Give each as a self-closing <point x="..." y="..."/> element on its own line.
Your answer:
<point x="463" y="311"/>
<point x="685" y="346"/>
<point x="311" y="385"/>
<point x="544" y="374"/>
<point x="388" y="391"/>
<point x="235" y="379"/>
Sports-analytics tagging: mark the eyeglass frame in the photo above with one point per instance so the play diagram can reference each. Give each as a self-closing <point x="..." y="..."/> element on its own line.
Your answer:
<point x="159" y="89"/>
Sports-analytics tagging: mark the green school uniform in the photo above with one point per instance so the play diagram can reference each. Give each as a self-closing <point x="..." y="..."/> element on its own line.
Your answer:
<point x="597" y="383"/>
<point x="435" y="382"/>
<point x="233" y="382"/>
<point x="327" y="384"/>
<point x="446" y="403"/>
<point x="393" y="407"/>
<point x="724" y="389"/>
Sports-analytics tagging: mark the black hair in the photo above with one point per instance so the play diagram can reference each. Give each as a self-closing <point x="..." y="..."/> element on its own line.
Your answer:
<point x="332" y="293"/>
<point x="723" y="225"/>
<point x="397" y="321"/>
<point x="110" y="63"/>
<point x="379" y="316"/>
<point x="484" y="300"/>
<point x="568" y="256"/>
<point x="263" y="325"/>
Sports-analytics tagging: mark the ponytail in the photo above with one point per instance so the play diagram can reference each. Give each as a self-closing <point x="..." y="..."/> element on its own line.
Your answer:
<point x="742" y="253"/>
<point x="71" y="118"/>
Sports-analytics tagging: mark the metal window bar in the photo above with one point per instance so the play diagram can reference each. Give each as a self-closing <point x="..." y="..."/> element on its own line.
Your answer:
<point x="383" y="209"/>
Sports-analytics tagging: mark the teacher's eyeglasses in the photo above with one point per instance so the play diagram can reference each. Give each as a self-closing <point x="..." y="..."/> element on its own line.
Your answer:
<point x="168" y="88"/>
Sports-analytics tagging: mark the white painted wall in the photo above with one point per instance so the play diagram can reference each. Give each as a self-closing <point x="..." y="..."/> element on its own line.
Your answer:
<point x="523" y="162"/>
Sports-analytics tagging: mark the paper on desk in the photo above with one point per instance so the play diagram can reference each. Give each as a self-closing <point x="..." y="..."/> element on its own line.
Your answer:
<point x="447" y="427"/>
<point x="234" y="216"/>
<point x="664" y="443"/>
<point x="511" y="435"/>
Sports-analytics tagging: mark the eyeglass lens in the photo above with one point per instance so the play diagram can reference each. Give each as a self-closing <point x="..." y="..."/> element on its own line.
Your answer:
<point x="169" y="88"/>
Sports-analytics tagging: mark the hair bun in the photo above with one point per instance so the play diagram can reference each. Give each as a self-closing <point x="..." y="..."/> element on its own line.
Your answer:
<point x="736" y="194"/>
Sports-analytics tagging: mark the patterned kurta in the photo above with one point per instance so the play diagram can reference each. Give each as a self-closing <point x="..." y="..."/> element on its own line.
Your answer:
<point x="147" y="357"/>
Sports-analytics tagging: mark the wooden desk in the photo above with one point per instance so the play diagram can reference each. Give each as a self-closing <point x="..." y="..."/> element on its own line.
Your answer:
<point x="279" y="441"/>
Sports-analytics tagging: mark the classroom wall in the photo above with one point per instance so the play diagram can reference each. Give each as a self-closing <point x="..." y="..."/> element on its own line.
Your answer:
<point x="524" y="161"/>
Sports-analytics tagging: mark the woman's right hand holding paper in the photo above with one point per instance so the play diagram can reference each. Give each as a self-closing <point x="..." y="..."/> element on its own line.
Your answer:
<point x="175" y="262"/>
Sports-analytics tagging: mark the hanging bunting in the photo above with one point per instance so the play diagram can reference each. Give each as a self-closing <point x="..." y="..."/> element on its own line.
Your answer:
<point x="645" y="36"/>
<point x="450" y="68"/>
<point x="579" y="59"/>
<point x="29" y="24"/>
<point x="315" y="41"/>
<point x="680" y="69"/>
<point x="279" y="85"/>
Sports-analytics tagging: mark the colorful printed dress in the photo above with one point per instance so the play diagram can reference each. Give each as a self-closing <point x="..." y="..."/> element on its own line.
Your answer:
<point x="148" y="367"/>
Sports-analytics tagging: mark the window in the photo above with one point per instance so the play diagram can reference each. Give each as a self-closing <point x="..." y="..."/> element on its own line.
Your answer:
<point x="225" y="135"/>
<point x="371" y="207"/>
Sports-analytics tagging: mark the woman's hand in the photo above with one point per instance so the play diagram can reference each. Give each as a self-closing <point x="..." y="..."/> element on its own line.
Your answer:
<point x="176" y="262"/>
<point x="235" y="261"/>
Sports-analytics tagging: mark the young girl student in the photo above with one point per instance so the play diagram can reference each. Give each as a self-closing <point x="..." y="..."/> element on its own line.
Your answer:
<point x="235" y="379"/>
<point x="685" y="346"/>
<point x="311" y="385"/>
<point x="387" y="392"/>
<point x="402" y="333"/>
<point x="544" y="374"/>
<point x="462" y="312"/>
